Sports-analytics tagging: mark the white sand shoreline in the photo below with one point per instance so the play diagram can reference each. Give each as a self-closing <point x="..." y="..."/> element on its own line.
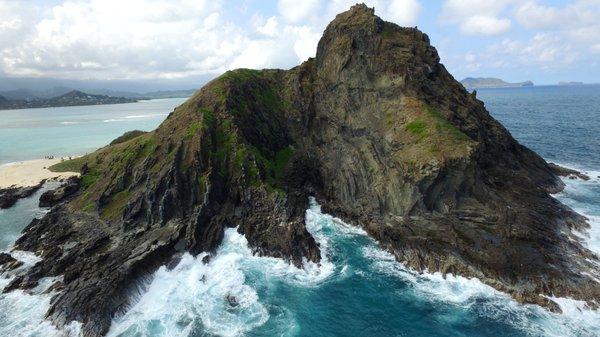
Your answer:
<point x="30" y="172"/>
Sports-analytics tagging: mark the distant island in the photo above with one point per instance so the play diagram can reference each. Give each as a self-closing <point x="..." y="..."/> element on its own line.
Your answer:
<point x="491" y="82"/>
<point x="72" y="98"/>
<point x="570" y="83"/>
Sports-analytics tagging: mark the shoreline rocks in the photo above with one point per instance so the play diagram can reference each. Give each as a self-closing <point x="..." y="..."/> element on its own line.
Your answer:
<point x="10" y="196"/>
<point x="7" y="262"/>
<point x="567" y="172"/>
<point x="52" y="197"/>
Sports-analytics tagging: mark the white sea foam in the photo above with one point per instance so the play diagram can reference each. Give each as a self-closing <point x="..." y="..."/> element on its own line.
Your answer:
<point x="69" y="123"/>
<point x="482" y="300"/>
<point x="574" y="192"/>
<point x="316" y="220"/>
<point x="130" y="117"/>
<point x="144" y="116"/>
<point x="28" y="259"/>
<point x="197" y="296"/>
<point x="22" y="313"/>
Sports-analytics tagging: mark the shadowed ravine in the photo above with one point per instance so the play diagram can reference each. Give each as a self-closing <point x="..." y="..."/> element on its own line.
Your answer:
<point x="374" y="127"/>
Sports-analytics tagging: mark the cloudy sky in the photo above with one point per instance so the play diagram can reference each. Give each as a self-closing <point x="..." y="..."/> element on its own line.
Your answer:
<point x="542" y="40"/>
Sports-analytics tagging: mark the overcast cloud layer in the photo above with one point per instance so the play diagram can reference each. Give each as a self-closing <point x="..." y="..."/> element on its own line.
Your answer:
<point x="174" y="39"/>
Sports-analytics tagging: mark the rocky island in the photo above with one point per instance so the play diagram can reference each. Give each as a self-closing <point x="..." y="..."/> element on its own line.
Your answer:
<point x="71" y="98"/>
<point x="374" y="127"/>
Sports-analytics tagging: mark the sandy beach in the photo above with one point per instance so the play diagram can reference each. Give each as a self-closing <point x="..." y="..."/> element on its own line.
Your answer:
<point x="29" y="173"/>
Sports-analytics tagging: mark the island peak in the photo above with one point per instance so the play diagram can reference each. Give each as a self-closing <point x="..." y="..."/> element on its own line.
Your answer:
<point x="374" y="127"/>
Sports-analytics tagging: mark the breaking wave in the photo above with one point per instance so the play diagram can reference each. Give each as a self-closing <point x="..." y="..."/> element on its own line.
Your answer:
<point x="583" y="197"/>
<point x="133" y="117"/>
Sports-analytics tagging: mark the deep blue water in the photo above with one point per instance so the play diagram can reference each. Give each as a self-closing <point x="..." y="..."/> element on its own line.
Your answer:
<point x="359" y="290"/>
<point x="561" y="123"/>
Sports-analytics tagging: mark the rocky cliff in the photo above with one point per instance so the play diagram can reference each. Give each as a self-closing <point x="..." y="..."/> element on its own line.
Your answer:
<point x="374" y="127"/>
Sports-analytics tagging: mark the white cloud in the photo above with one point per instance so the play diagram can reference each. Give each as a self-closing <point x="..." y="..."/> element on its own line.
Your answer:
<point x="576" y="24"/>
<point x="471" y="62"/>
<point x="270" y="27"/>
<point x="477" y="17"/>
<point x="140" y="39"/>
<point x="306" y="41"/>
<point x="533" y="15"/>
<point x="484" y="25"/>
<point x="136" y="39"/>
<point x="403" y="12"/>
<point x="546" y="51"/>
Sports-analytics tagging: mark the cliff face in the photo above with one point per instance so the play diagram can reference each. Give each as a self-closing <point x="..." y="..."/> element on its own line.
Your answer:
<point x="374" y="127"/>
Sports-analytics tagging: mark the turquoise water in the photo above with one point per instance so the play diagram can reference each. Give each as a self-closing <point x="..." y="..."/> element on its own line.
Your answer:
<point x="14" y="219"/>
<point x="64" y="131"/>
<point x="358" y="290"/>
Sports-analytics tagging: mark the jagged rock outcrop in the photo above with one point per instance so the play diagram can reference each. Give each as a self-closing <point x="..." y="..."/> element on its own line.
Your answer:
<point x="7" y="262"/>
<point x="66" y="189"/>
<point x="374" y="127"/>
<point x="9" y="196"/>
<point x="567" y="172"/>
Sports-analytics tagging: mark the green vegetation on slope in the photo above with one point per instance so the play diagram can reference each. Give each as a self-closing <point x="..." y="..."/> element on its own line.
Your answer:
<point x="417" y="128"/>
<point x="73" y="165"/>
<point x="433" y="124"/>
<point x="237" y="134"/>
<point x="127" y="136"/>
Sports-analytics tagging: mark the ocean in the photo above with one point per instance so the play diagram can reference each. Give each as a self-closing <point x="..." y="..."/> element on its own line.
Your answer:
<point x="66" y="131"/>
<point x="358" y="289"/>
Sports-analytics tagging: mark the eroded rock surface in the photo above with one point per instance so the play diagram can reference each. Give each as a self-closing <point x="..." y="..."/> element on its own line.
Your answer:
<point x="10" y="196"/>
<point x="374" y="127"/>
<point x="568" y="172"/>
<point x="66" y="189"/>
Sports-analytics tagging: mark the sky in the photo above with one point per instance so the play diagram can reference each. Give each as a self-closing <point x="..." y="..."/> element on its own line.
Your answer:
<point x="545" y="41"/>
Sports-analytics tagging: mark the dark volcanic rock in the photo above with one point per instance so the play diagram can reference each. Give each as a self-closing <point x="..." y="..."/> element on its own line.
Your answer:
<point x="7" y="262"/>
<point x="374" y="127"/>
<point x="567" y="172"/>
<point x="53" y="197"/>
<point x="10" y="196"/>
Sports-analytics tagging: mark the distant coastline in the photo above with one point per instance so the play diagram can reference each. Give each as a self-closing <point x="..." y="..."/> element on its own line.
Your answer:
<point x="491" y="82"/>
<point x="73" y="98"/>
<point x="570" y="83"/>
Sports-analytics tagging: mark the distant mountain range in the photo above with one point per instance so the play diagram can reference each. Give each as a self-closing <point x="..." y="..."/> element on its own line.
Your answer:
<point x="32" y="94"/>
<point x="71" y="98"/>
<point x="491" y="82"/>
<point x="47" y="87"/>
